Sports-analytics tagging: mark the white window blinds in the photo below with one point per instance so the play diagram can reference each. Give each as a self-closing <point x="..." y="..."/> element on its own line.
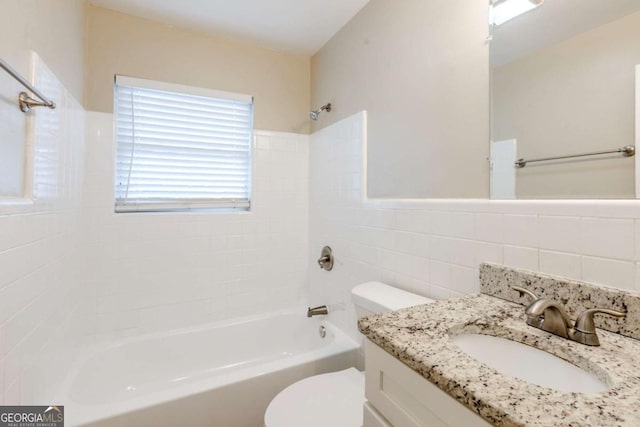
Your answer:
<point x="180" y="147"/>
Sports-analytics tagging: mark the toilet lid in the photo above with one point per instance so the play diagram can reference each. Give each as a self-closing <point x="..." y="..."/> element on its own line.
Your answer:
<point x="333" y="399"/>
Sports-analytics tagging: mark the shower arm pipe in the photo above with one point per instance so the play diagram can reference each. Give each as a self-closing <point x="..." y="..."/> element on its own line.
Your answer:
<point x="326" y="108"/>
<point x="27" y="102"/>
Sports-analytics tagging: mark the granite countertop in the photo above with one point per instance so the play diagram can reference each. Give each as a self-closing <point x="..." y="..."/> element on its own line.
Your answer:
<point x="420" y="337"/>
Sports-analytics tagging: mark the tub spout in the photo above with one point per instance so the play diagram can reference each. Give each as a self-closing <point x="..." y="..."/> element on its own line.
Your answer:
<point x="315" y="311"/>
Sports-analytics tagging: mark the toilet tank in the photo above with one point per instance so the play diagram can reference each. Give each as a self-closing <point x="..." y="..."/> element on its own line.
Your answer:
<point x="375" y="297"/>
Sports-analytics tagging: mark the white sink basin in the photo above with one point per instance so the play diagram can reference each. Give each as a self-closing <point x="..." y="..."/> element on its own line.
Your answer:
<point x="529" y="364"/>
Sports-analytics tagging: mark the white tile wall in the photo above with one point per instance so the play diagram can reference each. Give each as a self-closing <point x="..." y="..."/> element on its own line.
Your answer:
<point x="39" y="291"/>
<point x="433" y="247"/>
<point x="520" y="257"/>
<point x="152" y="271"/>
<point x="72" y="270"/>
<point x="560" y="264"/>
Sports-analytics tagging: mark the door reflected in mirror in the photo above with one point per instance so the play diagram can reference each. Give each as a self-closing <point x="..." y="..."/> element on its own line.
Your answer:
<point x="564" y="78"/>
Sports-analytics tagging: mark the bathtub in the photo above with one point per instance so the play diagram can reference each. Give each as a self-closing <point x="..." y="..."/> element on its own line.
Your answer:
<point x="222" y="374"/>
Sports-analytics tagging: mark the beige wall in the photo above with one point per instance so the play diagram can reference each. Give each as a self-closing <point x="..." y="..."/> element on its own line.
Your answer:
<point x="421" y="70"/>
<point x="52" y="28"/>
<point x="576" y="96"/>
<point x="123" y="44"/>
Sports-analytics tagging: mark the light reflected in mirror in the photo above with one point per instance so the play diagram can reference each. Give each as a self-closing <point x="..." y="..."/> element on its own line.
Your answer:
<point x="564" y="83"/>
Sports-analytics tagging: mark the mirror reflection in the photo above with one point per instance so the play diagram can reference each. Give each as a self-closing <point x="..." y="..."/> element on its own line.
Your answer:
<point x="564" y="77"/>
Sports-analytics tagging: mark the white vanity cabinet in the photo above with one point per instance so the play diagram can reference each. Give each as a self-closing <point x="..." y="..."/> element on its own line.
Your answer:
<point x="397" y="396"/>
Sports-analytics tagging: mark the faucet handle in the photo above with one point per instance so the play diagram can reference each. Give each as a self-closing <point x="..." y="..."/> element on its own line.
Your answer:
<point x="326" y="259"/>
<point x="524" y="291"/>
<point x="585" y="323"/>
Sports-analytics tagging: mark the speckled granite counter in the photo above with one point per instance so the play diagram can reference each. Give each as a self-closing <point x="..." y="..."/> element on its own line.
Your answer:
<point x="420" y="338"/>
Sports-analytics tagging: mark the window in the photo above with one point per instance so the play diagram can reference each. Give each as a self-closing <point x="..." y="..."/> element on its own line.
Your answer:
<point x="181" y="148"/>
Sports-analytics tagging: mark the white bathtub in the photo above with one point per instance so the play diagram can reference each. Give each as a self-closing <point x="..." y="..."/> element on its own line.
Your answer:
<point x="222" y="374"/>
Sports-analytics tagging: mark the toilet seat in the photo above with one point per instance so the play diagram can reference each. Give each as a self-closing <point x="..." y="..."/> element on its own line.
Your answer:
<point x="335" y="399"/>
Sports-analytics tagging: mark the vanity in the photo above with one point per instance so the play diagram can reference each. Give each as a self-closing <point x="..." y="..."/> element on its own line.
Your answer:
<point x="399" y="396"/>
<point x="475" y="361"/>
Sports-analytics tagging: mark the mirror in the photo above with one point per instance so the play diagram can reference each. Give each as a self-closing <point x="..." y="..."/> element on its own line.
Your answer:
<point x="564" y="84"/>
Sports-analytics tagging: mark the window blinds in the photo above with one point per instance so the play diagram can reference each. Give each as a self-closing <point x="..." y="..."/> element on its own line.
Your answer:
<point x="181" y="148"/>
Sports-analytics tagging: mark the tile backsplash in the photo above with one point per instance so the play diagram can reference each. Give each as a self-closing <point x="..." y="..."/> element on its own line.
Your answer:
<point x="153" y="271"/>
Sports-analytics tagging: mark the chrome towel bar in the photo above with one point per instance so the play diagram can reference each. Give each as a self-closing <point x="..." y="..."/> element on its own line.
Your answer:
<point x="627" y="151"/>
<point x="25" y="101"/>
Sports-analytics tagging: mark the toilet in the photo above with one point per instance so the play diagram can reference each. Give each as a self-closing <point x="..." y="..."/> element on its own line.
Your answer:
<point x="336" y="399"/>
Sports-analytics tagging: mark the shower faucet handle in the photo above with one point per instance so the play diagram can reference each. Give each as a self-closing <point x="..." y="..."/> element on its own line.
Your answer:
<point x="326" y="259"/>
<point x="323" y="260"/>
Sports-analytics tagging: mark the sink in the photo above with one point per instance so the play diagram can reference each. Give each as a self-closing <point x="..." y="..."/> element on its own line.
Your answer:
<point x="529" y="364"/>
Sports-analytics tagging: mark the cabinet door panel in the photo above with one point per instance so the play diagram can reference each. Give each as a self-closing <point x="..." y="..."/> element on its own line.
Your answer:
<point x="406" y="399"/>
<point x="372" y="418"/>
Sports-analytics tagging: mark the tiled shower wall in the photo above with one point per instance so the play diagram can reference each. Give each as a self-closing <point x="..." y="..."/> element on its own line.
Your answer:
<point x="153" y="271"/>
<point x="39" y="283"/>
<point x="147" y="272"/>
<point x="433" y="247"/>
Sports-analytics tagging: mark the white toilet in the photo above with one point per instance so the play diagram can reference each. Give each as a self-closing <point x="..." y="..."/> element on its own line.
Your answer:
<point x="336" y="399"/>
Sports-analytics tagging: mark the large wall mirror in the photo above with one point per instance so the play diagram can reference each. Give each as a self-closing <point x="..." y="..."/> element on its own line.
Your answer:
<point x="564" y="79"/>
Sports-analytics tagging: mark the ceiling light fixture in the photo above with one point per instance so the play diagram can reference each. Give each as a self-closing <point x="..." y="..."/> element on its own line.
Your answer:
<point x="505" y="10"/>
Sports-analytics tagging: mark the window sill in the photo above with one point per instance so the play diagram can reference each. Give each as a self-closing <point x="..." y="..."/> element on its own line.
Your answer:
<point x="15" y="205"/>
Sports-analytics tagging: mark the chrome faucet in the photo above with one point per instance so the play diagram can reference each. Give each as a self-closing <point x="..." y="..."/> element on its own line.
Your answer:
<point x="551" y="316"/>
<point x="315" y="311"/>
